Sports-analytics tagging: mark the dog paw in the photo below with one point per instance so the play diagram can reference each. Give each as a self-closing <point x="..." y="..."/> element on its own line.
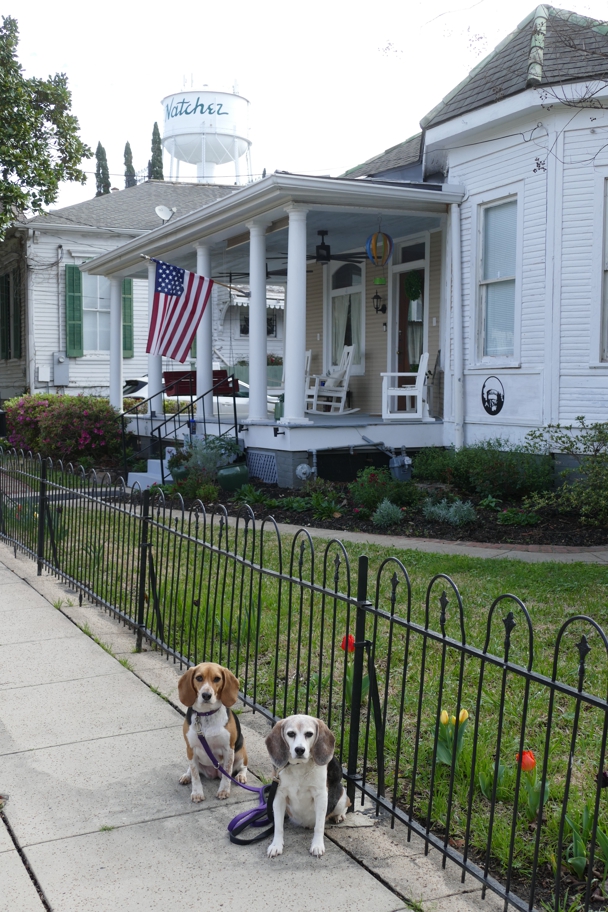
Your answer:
<point x="340" y="818"/>
<point x="197" y="796"/>
<point x="223" y="793"/>
<point x="186" y="779"/>
<point x="317" y="849"/>
<point x="275" y="849"/>
<point x="241" y="777"/>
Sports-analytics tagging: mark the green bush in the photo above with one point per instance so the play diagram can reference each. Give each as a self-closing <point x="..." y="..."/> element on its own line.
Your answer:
<point x="586" y="494"/>
<point x="208" y="454"/>
<point x="387" y="514"/>
<point x="23" y="420"/>
<point x="372" y="486"/>
<point x="492" y="467"/>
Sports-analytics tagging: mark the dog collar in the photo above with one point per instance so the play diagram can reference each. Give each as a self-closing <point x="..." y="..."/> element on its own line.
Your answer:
<point x="212" y="713"/>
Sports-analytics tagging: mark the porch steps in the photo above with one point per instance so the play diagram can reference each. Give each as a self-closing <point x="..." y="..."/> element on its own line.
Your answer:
<point x="152" y="476"/>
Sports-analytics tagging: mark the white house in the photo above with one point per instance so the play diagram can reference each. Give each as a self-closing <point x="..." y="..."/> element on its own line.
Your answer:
<point x="498" y="212"/>
<point x="55" y="318"/>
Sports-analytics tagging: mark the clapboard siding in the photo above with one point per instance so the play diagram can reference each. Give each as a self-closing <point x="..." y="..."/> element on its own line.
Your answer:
<point x="486" y="173"/>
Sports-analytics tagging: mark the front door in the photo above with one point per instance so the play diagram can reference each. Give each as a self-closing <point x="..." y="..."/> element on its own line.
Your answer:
<point x="410" y="328"/>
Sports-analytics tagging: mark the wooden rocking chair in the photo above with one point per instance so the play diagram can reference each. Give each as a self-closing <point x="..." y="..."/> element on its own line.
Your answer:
<point x="326" y="394"/>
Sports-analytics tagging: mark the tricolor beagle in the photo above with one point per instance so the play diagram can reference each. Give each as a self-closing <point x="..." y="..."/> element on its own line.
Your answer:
<point x="208" y="690"/>
<point x="310" y="786"/>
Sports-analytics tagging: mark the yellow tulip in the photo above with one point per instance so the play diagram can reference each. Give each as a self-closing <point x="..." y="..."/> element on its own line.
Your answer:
<point x="443" y="717"/>
<point x="453" y="720"/>
<point x="463" y="716"/>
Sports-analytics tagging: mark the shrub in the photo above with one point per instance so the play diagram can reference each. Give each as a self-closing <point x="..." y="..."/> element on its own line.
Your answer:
<point x="208" y="454"/>
<point x="587" y="494"/>
<point x="74" y="428"/>
<point x="387" y="514"/>
<point x="434" y="465"/>
<point x="249" y="494"/>
<point x="515" y="517"/>
<point x="324" y="507"/>
<point x="318" y="486"/>
<point x="370" y="487"/>
<point x="22" y="420"/>
<point x="457" y="513"/>
<point x="207" y="492"/>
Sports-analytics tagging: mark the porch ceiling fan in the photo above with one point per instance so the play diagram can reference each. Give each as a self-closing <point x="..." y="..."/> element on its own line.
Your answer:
<point x="324" y="255"/>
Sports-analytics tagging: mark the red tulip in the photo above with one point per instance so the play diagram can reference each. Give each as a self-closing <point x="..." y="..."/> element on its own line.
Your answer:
<point x="528" y="761"/>
<point x="348" y="643"/>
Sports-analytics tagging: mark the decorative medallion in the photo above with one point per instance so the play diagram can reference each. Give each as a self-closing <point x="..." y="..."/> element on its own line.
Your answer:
<point x="493" y="395"/>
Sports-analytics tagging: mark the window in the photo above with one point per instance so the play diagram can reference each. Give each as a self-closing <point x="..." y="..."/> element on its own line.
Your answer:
<point x="271" y="322"/>
<point x="497" y="282"/>
<point x="87" y="309"/>
<point x="346" y="311"/>
<point x="10" y="315"/>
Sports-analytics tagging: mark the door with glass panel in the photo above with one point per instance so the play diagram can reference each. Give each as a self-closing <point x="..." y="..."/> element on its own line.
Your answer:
<point x="410" y="329"/>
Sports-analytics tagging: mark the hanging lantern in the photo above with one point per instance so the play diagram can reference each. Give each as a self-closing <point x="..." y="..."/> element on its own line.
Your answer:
<point x="379" y="247"/>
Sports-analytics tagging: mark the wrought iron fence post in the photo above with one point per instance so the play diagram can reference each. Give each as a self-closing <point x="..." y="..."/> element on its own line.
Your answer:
<point x="355" y="709"/>
<point x="143" y="563"/>
<point x="41" y="516"/>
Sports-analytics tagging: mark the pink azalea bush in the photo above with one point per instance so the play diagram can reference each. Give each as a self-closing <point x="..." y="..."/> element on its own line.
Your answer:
<point x="72" y="428"/>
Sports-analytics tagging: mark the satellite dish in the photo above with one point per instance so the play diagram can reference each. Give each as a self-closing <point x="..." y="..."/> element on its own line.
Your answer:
<point x="164" y="213"/>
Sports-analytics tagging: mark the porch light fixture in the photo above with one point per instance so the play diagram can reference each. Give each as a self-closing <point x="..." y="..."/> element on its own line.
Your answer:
<point x="379" y="307"/>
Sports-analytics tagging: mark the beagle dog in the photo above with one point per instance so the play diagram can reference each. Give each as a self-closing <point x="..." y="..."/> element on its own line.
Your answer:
<point x="309" y="777"/>
<point x="208" y="690"/>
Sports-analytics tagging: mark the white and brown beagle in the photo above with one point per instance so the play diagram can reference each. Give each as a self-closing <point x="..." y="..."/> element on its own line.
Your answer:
<point x="208" y="690"/>
<point x="310" y="786"/>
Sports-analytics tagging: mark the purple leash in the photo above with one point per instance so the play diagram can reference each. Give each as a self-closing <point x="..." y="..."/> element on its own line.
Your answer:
<point x="258" y="816"/>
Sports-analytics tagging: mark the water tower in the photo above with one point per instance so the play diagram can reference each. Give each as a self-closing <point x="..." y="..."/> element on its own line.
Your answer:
<point x="207" y="129"/>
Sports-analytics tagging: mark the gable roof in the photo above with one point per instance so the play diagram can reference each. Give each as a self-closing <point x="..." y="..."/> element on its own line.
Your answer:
<point x="134" y="207"/>
<point x="551" y="46"/>
<point x="405" y="153"/>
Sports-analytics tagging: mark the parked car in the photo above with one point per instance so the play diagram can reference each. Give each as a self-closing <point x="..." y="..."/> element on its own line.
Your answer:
<point x="138" y="389"/>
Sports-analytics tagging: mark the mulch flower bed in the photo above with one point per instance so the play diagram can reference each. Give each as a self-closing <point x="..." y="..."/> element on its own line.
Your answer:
<point x="553" y="529"/>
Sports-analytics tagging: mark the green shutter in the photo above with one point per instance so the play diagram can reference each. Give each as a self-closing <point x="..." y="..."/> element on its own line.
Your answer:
<point x="193" y="350"/>
<point x="16" y="348"/>
<point x="73" y="312"/>
<point x="5" y="316"/>
<point x="127" y="318"/>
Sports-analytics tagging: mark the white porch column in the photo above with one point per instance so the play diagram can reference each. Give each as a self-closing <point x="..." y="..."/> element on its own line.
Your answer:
<point x="258" y="339"/>
<point x="295" y="319"/>
<point x="204" y="340"/>
<point x="155" y="362"/>
<point x="116" y="342"/>
<point x="458" y="331"/>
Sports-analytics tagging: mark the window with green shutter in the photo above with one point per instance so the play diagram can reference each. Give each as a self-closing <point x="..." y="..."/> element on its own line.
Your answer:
<point x="16" y="348"/>
<point x="127" y="318"/>
<point x="73" y="312"/>
<point x="5" y="316"/>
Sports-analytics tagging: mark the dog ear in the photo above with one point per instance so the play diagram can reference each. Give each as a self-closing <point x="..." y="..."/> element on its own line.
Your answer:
<point x="230" y="688"/>
<point x="185" y="688"/>
<point x="277" y="748"/>
<point x="323" y="748"/>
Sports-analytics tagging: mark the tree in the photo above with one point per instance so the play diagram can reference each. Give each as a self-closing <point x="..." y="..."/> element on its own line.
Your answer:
<point x="102" y="174"/>
<point x="39" y="141"/>
<point x="129" y="169"/>
<point x="155" y="165"/>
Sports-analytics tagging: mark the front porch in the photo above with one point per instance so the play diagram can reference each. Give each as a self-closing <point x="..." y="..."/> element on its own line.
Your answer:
<point x="310" y="233"/>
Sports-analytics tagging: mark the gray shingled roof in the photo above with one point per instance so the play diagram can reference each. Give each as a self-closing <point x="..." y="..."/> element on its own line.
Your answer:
<point x="134" y="208"/>
<point x="405" y="153"/>
<point x="551" y="46"/>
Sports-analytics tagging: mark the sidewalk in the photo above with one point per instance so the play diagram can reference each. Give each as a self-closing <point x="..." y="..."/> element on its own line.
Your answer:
<point x="91" y="753"/>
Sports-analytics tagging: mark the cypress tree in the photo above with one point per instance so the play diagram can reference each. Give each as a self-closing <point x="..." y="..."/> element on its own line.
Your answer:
<point x="129" y="169"/>
<point x="102" y="175"/>
<point x="155" y="165"/>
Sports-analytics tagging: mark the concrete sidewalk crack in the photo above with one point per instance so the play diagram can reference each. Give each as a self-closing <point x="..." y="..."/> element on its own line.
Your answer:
<point x="25" y="862"/>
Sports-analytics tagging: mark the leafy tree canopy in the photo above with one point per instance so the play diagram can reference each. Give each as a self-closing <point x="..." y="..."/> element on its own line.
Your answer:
<point x="39" y="141"/>
<point x="130" y="179"/>
<point x="155" y="165"/>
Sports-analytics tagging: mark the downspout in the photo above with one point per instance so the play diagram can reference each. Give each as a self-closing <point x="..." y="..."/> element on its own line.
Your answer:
<point x="458" y="333"/>
<point x="30" y="377"/>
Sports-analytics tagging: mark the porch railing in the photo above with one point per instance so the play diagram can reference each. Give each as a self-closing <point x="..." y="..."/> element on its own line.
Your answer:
<point x="436" y="746"/>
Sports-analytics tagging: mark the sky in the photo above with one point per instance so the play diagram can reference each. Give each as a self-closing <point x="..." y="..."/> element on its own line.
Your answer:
<point x="330" y="84"/>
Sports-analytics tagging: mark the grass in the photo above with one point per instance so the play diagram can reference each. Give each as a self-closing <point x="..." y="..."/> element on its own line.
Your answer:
<point x="106" y="829"/>
<point x="283" y="641"/>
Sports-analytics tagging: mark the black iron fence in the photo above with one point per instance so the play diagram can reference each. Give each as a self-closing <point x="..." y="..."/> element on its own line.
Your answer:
<point x="491" y="754"/>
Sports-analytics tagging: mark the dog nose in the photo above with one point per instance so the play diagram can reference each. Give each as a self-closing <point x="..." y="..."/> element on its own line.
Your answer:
<point x="206" y="697"/>
<point x="300" y="751"/>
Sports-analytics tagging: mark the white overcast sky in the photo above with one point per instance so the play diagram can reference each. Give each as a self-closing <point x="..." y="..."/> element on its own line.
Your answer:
<point x="331" y="83"/>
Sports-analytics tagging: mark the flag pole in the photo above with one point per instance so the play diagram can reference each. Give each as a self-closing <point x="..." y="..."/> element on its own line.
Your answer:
<point x="215" y="281"/>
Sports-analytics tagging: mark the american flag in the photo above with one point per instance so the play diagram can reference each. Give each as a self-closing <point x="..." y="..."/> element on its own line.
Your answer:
<point x="180" y="298"/>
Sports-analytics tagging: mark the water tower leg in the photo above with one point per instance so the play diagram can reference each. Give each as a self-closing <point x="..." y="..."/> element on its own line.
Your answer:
<point x="177" y="169"/>
<point x="204" y="341"/>
<point x="237" y="170"/>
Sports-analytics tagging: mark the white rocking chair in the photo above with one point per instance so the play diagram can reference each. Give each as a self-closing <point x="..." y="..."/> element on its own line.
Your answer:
<point x="393" y="389"/>
<point x="326" y="394"/>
